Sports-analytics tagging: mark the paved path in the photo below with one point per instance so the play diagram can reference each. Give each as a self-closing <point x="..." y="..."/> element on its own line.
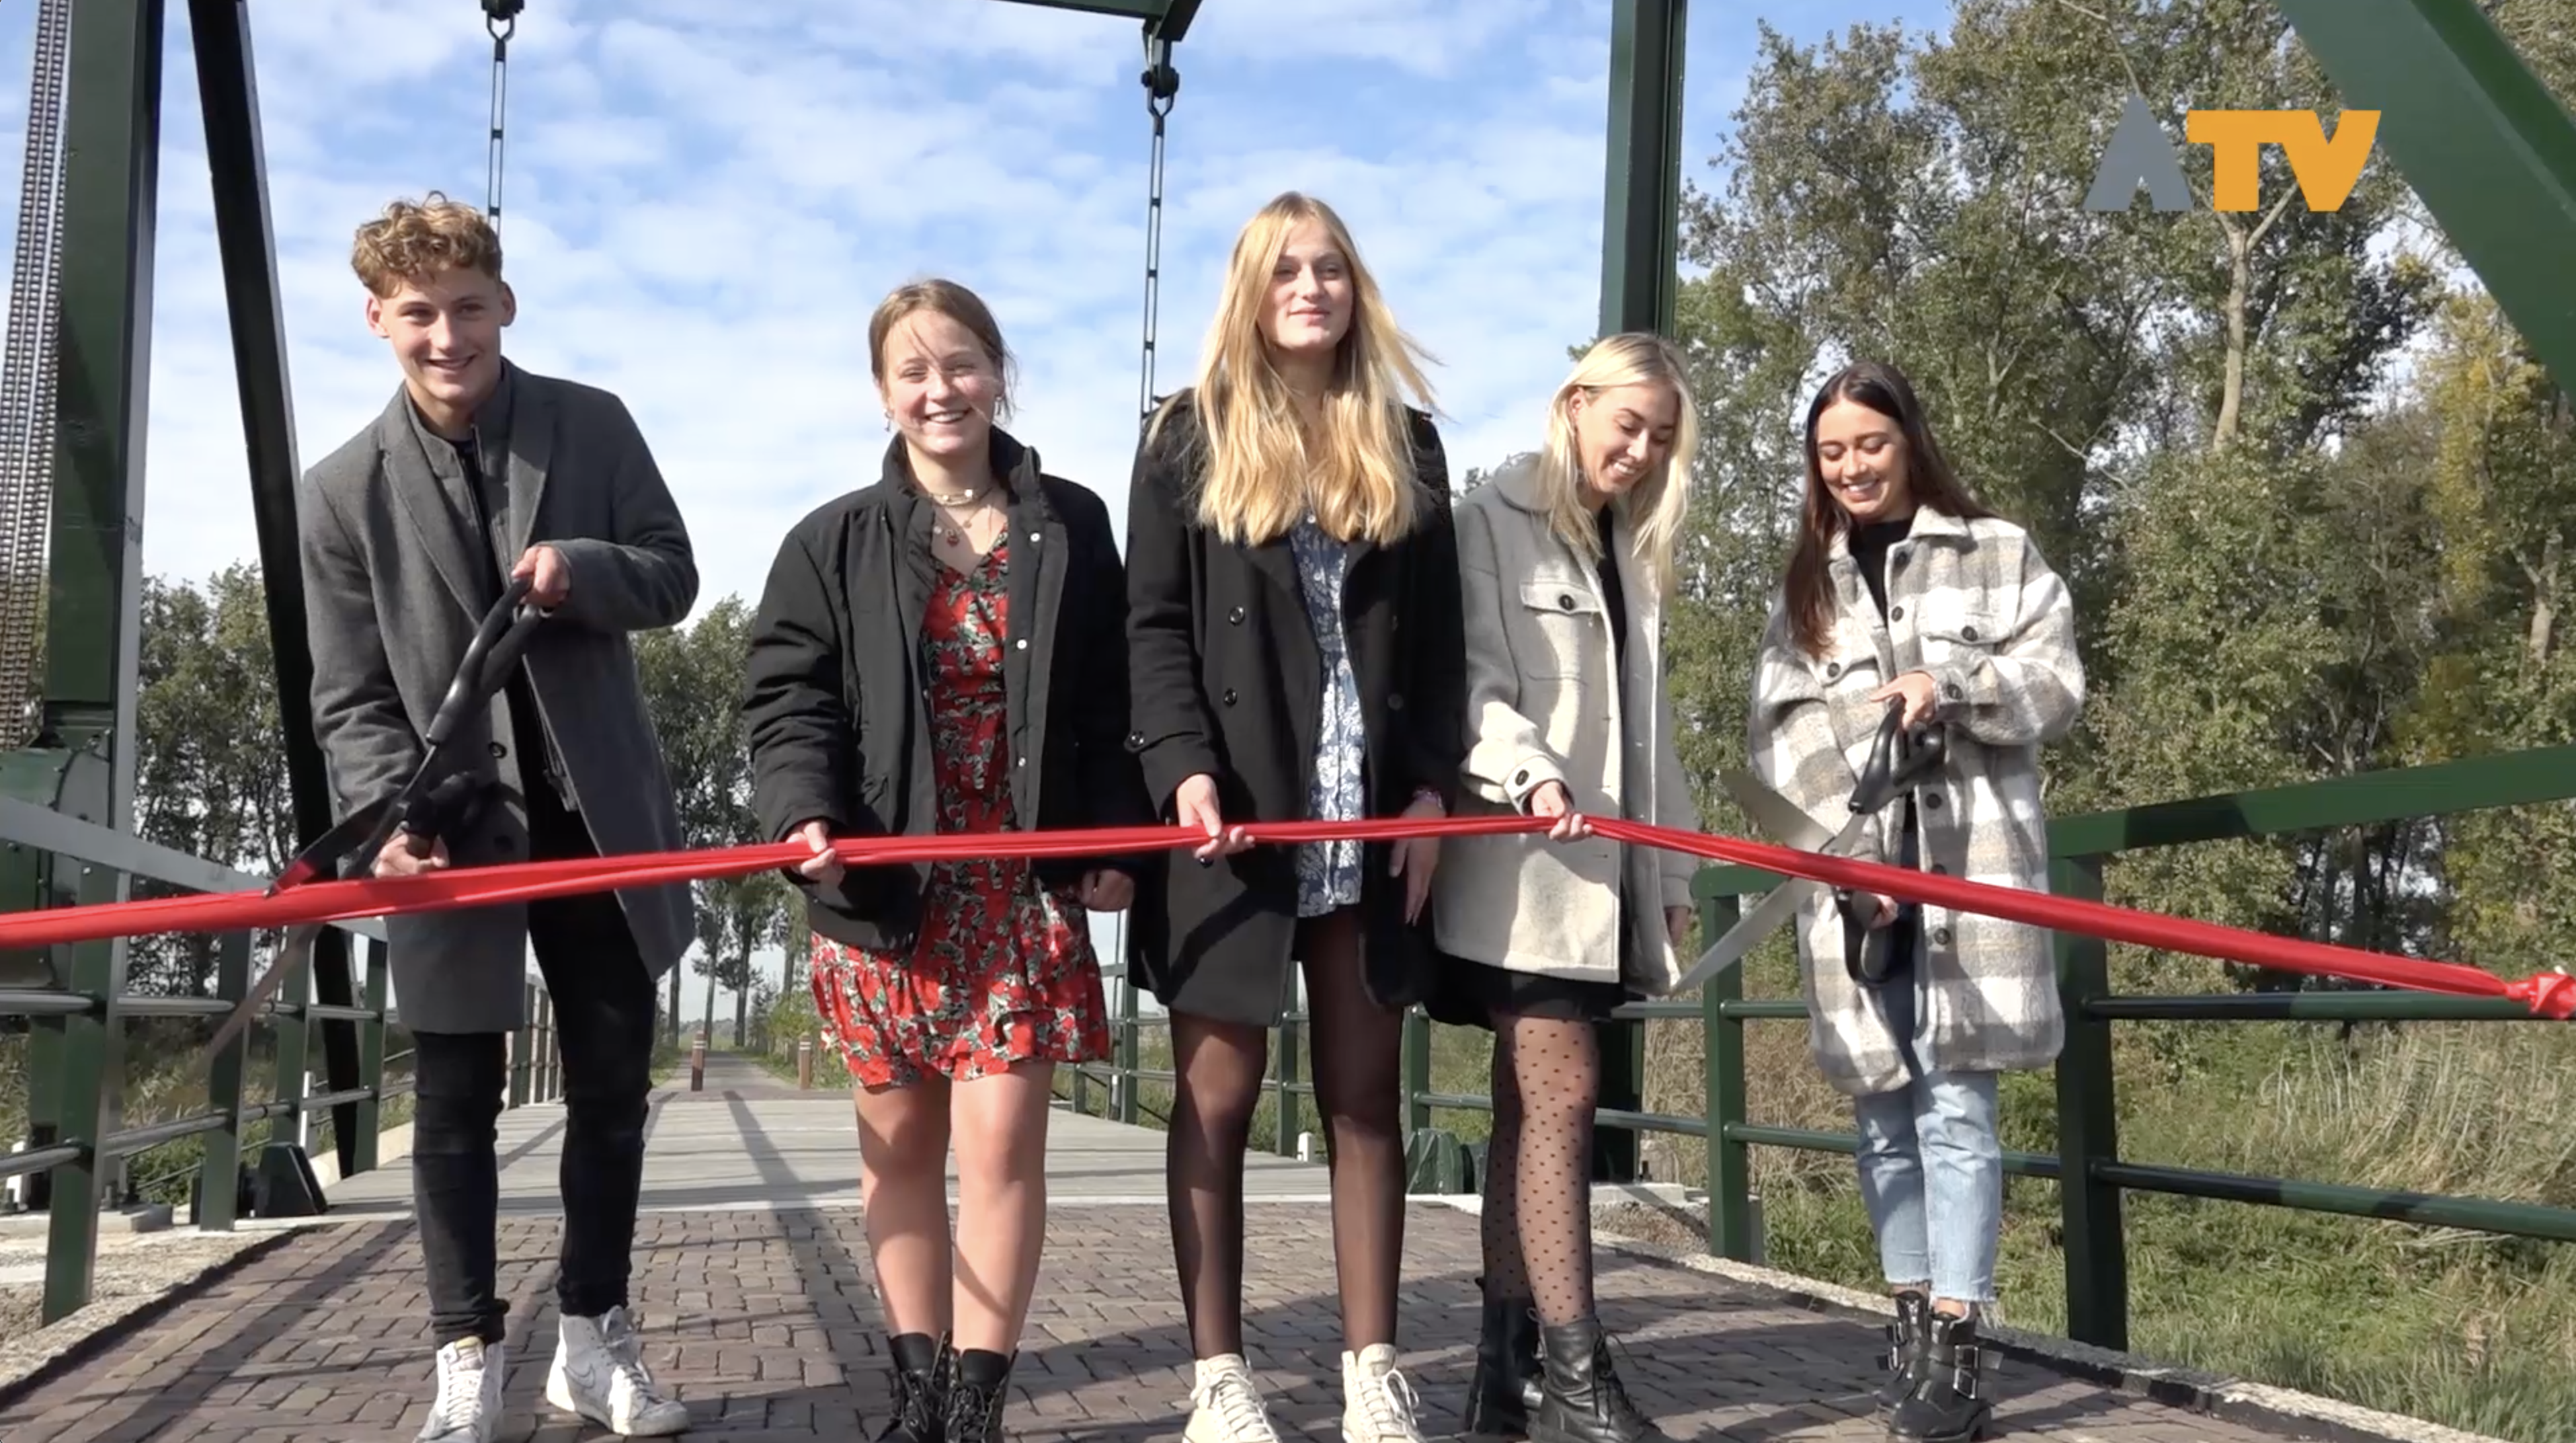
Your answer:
<point x="750" y="1140"/>
<point x="758" y="1309"/>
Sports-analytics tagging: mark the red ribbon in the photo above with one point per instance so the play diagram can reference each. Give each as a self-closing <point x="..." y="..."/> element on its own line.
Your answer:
<point x="2547" y="994"/>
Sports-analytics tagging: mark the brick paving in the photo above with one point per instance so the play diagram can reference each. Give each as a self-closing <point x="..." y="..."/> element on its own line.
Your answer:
<point x="765" y="1322"/>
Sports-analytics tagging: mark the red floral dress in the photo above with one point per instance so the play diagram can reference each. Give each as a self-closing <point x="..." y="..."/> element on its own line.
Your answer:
<point x="1002" y="970"/>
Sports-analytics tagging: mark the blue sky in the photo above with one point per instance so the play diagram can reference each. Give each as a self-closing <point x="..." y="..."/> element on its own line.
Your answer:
<point x="703" y="202"/>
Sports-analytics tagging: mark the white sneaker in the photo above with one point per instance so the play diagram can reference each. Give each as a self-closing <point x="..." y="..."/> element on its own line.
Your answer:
<point x="1378" y="1403"/>
<point x="468" y="1406"/>
<point x="599" y="1373"/>
<point x="1226" y="1406"/>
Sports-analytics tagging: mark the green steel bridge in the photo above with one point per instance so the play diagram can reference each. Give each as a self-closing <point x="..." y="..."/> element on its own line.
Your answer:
<point x="751" y="1253"/>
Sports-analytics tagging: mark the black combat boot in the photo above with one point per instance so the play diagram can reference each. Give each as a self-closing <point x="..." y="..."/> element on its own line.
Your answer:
<point x="1949" y="1403"/>
<point x="1906" y="1338"/>
<point x="977" y="1385"/>
<point x="1505" y="1385"/>
<point x="1580" y="1400"/>
<point x="918" y="1366"/>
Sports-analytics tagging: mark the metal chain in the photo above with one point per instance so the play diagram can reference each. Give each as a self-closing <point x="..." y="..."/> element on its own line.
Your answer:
<point x="1161" y="83"/>
<point x="501" y="19"/>
<point x="27" y="381"/>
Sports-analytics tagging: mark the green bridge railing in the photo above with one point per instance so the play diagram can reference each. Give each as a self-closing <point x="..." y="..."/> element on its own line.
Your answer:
<point x="75" y="1053"/>
<point x="2087" y="1165"/>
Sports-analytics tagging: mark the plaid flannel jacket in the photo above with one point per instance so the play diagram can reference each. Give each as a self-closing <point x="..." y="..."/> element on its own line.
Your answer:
<point x="1973" y="605"/>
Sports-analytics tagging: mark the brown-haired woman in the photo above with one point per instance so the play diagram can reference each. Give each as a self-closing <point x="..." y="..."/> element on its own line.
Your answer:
<point x="1294" y="612"/>
<point x="944" y="650"/>
<point x="1904" y="592"/>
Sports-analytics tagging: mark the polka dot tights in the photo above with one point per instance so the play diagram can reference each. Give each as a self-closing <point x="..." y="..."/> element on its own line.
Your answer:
<point x="1538" y="1168"/>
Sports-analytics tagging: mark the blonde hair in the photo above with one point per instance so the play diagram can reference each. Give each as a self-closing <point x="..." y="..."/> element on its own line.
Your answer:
<point x="1260" y="477"/>
<point x="415" y="240"/>
<point x="1656" y="505"/>
<point x="944" y="298"/>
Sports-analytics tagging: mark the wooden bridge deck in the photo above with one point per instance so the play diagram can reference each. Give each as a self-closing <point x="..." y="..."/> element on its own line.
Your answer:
<point x="753" y="1287"/>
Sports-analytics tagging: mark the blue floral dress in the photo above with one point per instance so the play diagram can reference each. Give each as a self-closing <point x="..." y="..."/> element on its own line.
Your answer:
<point x="1328" y="873"/>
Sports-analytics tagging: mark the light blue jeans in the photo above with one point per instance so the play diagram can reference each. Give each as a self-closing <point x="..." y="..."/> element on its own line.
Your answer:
<point x="1932" y="1167"/>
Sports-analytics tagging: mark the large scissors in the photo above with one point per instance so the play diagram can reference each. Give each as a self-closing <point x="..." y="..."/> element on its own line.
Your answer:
<point x="434" y="803"/>
<point x="1899" y="759"/>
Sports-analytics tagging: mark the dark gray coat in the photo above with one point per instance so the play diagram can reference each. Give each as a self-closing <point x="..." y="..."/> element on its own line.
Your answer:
<point x="397" y="577"/>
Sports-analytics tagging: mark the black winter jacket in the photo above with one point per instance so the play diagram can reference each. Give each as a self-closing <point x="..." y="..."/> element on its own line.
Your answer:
<point x="835" y="693"/>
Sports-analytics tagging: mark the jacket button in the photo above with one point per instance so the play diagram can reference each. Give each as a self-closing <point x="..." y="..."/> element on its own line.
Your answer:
<point x="1229" y="696"/>
<point x="1565" y="600"/>
<point x="1833" y="669"/>
<point x="1932" y="800"/>
<point x="1395" y="701"/>
<point x="1951" y="691"/>
<point x="1968" y="632"/>
<point x="1234" y="617"/>
<point x="1135" y="741"/>
<point x="1896" y="613"/>
<point x="1520" y="776"/>
<point x="1940" y="936"/>
<point x="499" y="751"/>
<point x="1939" y="870"/>
<point x="1022" y="643"/>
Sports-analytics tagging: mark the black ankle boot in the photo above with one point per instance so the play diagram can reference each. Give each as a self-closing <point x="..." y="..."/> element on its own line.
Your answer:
<point x="1906" y="1338"/>
<point x="1505" y="1385"/>
<point x="977" y="1382"/>
<point x="919" y="1366"/>
<point x="1948" y="1403"/>
<point x="1580" y="1400"/>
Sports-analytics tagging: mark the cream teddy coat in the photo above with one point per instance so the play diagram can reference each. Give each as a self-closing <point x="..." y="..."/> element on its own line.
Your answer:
<point x="1546" y="702"/>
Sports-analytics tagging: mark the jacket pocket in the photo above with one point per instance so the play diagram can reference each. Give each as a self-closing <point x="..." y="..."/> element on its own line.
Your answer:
<point x="1566" y="621"/>
<point x="1956" y="632"/>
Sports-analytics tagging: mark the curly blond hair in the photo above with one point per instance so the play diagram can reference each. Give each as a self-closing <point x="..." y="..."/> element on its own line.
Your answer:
<point x="414" y="240"/>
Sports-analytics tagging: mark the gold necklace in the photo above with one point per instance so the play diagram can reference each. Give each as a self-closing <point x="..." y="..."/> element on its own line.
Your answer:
<point x="955" y="530"/>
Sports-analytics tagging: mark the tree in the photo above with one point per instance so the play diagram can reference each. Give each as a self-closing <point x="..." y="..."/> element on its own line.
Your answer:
<point x="210" y="760"/>
<point x="693" y="681"/>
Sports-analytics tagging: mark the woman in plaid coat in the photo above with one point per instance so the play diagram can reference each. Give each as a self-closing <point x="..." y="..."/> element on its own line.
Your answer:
<point x="1903" y="592"/>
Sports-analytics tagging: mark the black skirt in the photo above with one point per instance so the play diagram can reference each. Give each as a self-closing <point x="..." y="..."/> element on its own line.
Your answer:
<point x="1473" y="994"/>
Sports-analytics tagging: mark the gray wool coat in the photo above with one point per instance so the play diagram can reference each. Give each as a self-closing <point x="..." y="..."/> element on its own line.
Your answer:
<point x="396" y="579"/>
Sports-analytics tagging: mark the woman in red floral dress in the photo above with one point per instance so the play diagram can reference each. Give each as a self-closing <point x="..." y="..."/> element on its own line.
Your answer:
<point x="944" y="650"/>
<point x="1003" y="970"/>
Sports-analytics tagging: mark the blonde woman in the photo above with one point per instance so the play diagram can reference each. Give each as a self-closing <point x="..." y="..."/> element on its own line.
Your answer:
<point x="1565" y="560"/>
<point x="1294" y="649"/>
<point x="1903" y="591"/>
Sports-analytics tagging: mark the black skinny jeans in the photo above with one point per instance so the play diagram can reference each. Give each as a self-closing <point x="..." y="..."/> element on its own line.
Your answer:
<point x="604" y="1016"/>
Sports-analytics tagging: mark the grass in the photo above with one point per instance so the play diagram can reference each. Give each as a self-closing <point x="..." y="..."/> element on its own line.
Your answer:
<point x="160" y="1085"/>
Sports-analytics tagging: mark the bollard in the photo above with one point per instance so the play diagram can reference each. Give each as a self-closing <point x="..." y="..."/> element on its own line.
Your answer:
<point x="805" y="1065"/>
<point x="698" y="1064"/>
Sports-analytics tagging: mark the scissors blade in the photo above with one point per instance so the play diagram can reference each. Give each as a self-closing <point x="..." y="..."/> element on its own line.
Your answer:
<point x="1782" y="818"/>
<point x="296" y="946"/>
<point x="1788" y="822"/>
<point x="1775" y="908"/>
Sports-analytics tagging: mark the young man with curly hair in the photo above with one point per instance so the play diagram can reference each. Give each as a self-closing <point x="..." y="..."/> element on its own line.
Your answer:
<point x="475" y="473"/>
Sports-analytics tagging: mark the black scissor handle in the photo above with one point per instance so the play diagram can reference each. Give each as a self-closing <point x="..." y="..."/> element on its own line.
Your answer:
<point x="1900" y="757"/>
<point x="427" y="798"/>
<point x="488" y="659"/>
